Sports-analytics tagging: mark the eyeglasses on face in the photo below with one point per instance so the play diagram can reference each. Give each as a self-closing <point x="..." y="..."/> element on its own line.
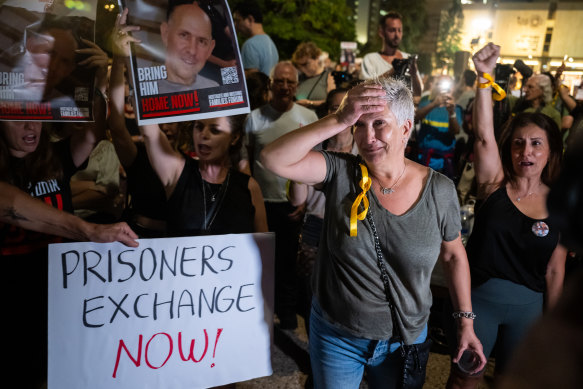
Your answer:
<point x="283" y="81"/>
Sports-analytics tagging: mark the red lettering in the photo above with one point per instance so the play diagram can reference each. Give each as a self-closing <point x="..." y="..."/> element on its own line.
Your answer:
<point x="181" y="101"/>
<point x="38" y="109"/>
<point x="191" y="355"/>
<point x="155" y="103"/>
<point x="8" y="107"/>
<point x="169" y="351"/>
<point x="136" y="361"/>
<point x="219" y="331"/>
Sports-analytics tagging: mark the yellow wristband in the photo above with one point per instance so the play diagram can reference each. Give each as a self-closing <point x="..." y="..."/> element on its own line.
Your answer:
<point x="499" y="95"/>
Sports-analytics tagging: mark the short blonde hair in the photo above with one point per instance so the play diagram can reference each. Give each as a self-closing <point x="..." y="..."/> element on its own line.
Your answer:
<point x="306" y="49"/>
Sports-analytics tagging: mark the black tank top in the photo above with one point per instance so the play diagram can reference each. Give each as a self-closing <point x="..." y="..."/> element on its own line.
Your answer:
<point x="148" y="197"/>
<point x="192" y="211"/>
<point x="509" y="245"/>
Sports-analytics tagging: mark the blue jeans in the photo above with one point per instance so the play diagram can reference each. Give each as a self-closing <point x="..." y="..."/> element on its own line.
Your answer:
<point x="339" y="359"/>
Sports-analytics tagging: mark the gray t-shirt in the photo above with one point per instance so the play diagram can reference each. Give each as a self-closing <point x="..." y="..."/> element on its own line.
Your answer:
<point x="346" y="279"/>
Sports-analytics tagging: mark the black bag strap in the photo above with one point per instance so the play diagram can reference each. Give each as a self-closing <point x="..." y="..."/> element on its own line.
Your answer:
<point x="386" y="280"/>
<point x="316" y="84"/>
<point x="413" y="375"/>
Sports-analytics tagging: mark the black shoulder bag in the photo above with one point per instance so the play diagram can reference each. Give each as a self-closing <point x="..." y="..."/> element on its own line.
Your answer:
<point x="415" y="356"/>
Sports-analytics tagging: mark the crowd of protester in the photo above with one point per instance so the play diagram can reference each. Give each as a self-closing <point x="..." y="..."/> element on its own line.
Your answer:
<point x="358" y="177"/>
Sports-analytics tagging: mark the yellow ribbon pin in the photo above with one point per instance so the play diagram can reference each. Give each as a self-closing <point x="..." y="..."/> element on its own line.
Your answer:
<point x="499" y="95"/>
<point x="364" y="184"/>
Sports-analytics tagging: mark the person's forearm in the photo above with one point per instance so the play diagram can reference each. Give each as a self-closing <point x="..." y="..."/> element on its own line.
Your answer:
<point x="555" y="275"/>
<point x="457" y="273"/>
<point x="454" y="126"/>
<point x="298" y="193"/>
<point x="292" y="147"/>
<point x="423" y="111"/>
<point x="310" y="103"/>
<point x="124" y="146"/>
<point x="554" y="282"/>
<point x="483" y="115"/>
<point x="79" y="186"/>
<point x="20" y="209"/>
<point x="569" y="101"/>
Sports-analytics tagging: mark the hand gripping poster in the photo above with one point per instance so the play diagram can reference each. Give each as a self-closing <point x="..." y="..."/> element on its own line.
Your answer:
<point x="173" y="313"/>
<point x="187" y="64"/>
<point x="46" y="72"/>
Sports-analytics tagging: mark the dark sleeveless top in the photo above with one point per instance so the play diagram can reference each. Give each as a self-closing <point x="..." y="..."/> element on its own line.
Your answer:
<point x="148" y="196"/>
<point x="191" y="211"/>
<point x="504" y="245"/>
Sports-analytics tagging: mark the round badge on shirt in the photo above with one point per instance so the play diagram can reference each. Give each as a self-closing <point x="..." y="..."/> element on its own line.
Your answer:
<point x="540" y="229"/>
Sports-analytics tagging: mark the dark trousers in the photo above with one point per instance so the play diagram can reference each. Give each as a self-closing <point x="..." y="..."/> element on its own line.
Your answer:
<point x="286" y="248"/>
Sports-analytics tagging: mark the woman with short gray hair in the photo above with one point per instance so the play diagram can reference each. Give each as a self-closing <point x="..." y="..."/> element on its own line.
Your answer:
<point x="387" y="220"/>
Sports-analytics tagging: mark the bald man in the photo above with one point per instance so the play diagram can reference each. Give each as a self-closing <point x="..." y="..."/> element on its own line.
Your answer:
<point x="187" y="35"/>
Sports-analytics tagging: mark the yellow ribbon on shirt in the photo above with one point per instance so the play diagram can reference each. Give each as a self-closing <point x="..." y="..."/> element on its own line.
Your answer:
<point x="365" y="183"/>
<point x="499" y="95"/>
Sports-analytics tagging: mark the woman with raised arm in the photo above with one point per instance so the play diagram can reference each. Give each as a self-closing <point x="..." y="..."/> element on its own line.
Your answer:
<point x="208" y="195"/>
<point x="32" y="163"/>
<point x="387" y="220"/>
<point x="514" y="252"/>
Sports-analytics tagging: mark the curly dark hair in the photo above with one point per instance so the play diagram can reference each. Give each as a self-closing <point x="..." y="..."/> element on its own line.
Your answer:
<point x="545" y="123"/>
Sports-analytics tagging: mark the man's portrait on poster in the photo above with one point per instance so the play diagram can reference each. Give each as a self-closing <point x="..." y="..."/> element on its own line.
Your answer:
<point x="186" y="48"/>
<point x="43" y="64"/>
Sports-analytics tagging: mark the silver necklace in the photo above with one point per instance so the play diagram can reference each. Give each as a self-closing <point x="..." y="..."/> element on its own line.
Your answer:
<point x="526" y="195"/>
<point x="213" y="196"/>
<point x="215" y="211"/>
<point x="391" y="189"/>
<point x="523" y="197"/>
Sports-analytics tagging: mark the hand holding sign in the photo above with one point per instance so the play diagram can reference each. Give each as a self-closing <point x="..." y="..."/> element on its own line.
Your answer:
<point x="103" y="233"/>
<point x="176" y="313"/>
<point x="121" y="37"/>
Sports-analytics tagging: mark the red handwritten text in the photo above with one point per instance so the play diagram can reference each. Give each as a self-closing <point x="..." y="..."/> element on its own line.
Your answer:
<point x="145" y="351"/>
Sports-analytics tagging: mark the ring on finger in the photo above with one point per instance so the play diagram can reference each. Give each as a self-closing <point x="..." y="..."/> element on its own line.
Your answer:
<point x="121" y="33"/>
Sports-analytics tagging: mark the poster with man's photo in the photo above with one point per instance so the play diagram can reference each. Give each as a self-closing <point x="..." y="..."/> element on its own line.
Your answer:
<point x="348" y="56"/>
<point x="42" y="74"/>
<point x="187" y="65"/>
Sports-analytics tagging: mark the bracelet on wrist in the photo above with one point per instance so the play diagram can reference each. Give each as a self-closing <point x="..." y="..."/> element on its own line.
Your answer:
<point x="463" y="314"/>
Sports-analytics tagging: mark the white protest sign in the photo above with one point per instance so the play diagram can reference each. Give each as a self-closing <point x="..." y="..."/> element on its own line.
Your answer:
<point x="174" y="313"/>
